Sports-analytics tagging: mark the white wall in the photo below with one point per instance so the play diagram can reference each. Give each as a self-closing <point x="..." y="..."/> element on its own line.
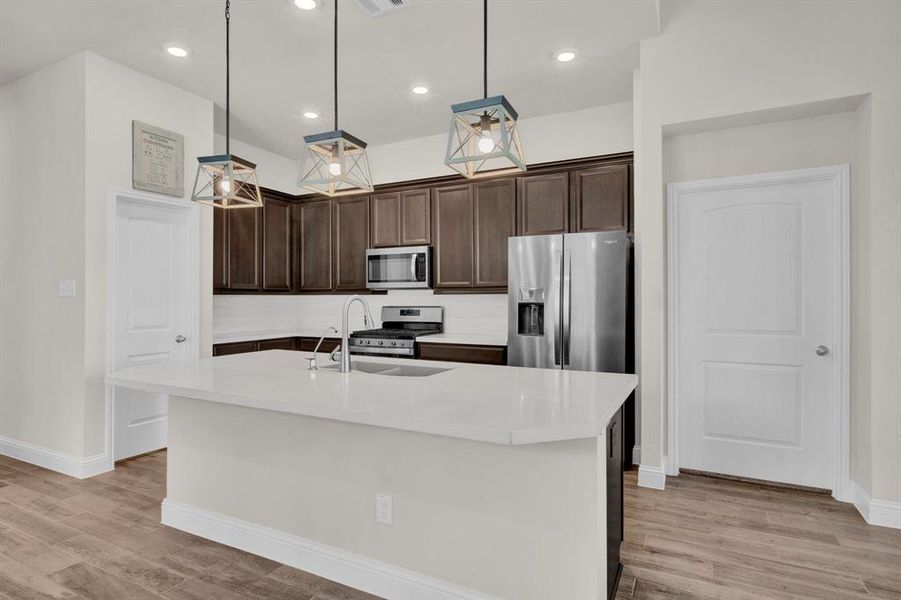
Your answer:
<point x="582" y="133"/>
<point x="115" y="96"/>
<point x="42" y="186"/>
<point x="731" y="58"/>
<point x="66" y="142"/>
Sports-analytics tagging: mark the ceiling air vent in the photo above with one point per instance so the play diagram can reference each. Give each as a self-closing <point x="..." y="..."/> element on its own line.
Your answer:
<point x="377" y="8"/>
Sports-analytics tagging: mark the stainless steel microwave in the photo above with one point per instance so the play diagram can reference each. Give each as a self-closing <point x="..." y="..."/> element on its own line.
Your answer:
<point x="399" y="268"/>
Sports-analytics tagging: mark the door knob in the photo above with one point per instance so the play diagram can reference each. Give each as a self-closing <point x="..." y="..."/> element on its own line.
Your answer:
<point x="821" y="350"/>
<point x="180" y="339"/>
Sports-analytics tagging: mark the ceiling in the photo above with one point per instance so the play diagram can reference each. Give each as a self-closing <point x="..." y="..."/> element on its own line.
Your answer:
<point x="282" y="57"/>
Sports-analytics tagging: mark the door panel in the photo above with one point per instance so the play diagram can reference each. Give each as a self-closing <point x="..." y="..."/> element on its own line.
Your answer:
<point x="597" y="265"/>
<point x="386" y="219"/>
<point x="600" y="199"/>
<point x="415" y="218"/>
<point x="755" y="298"/>
<point x="543" y="204"/>
<point x="244" y="248"/>
<point x="276" y="245"/>
<point x="452" y="226"/>
<point x="350" y="242"/>
<point x="313" y="241"/>
<point x="534" y="284"/>
<point x="151" y="312"/>
<point x="495" y="221"/>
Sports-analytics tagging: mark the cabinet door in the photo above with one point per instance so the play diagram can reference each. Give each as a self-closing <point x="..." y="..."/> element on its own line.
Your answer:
<point x="312" y="224"/>
<point x="276" y="245"/>
<point x="600" y="198"/>
<point x="415" y="218"/>
<point x="385" y="225"/>
<point x="234" y="347"/>
<point x="614" y="500"/>
<point x="494" y="221"/>
<point x="276" y="344"/>
<point x="452" y="219"/>
<point x="543" y="203"/>
<point x="220" y="249"/>
<point x="466" y="353"/>
<point x="351" y="239"/>
<point x="243" y="249"/>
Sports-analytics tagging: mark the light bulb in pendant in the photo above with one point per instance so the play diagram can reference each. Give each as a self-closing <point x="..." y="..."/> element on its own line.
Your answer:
<point x="486" y="144"/>
<point x="225" y="185"/>
<point x="334" y="168"/>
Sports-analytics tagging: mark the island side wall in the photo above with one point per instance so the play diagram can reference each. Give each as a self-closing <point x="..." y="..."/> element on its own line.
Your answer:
<point x="516" y="522"/>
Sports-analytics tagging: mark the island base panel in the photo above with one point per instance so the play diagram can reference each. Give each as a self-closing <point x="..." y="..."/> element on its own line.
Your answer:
<point x="519" y="522"/>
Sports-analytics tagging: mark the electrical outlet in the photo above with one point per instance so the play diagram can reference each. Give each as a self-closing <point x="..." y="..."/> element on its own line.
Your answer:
<point x="383" y="504"/>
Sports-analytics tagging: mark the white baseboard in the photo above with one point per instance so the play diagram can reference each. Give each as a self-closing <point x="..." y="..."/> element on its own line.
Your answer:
<point x="884" y="513"/>
<point x="636" y="455"/>
<point x="375" y="577"/>
<point x="61" y="462"/>
<point x="651" y="477"/>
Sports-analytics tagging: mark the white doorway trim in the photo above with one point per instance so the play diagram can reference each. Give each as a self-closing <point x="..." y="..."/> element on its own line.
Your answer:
<point x="192" y="222"/>
<point x="839" y="176"/>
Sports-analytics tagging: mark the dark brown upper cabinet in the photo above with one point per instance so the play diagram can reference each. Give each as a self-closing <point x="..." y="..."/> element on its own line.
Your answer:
<point x="243" y="248"/>
<point x="385" y="223"/>
<point x="600" y="198"/>
<point x="276" y="245"/>
<point x="494" y="220"/>
<point x="415" y="218"/>
<point x="543" y="204"/>
<point x="312" y="241"/>
<point x="452" y="232"/>
<point x="351" y="239"/>
<point x="401" y="219"/>
<point x="220" y="249"/>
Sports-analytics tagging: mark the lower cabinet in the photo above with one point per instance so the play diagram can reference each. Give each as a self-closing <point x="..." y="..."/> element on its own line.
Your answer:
<point x="466" y="353"/>
<point x="308" y="344"/>
<point x="235" y="348"/>
<point x="614" y="501"/>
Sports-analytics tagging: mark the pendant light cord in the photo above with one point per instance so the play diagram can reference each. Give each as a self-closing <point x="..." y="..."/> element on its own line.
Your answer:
<point x="484" y="48"/>
<point x="336" y="65"/>
<point x="227" y="74"/>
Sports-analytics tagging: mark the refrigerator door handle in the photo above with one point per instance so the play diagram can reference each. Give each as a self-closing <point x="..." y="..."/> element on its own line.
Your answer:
<point x="567" y="304"/>
<point x="558" y="329"/>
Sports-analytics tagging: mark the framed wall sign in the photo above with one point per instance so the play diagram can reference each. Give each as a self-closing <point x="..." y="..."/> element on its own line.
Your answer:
<point x="158" y="160"/>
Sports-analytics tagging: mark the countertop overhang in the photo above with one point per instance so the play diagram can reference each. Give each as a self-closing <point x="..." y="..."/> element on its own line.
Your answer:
<point x="484" y="403"/>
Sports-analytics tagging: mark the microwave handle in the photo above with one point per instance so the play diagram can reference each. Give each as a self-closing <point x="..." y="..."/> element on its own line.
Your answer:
<point x="413" y="266"/>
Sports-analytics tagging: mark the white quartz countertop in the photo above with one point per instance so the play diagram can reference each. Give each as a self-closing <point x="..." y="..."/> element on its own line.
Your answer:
<point x="497" y="404"/>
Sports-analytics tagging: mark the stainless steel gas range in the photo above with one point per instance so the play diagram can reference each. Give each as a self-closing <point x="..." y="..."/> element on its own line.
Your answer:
<point x="401" y="326"/>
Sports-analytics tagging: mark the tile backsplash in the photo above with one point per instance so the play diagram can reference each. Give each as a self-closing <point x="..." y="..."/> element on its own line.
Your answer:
<point x="463" y="313"/>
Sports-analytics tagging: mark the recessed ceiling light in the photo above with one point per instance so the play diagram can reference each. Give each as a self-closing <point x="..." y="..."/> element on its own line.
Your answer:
<point x="176" y="51"/>
<point x="565" y="55"/>
<point x="305" y="4"/>
<point x="419" y="90"/>
<point x="311" y="115"/>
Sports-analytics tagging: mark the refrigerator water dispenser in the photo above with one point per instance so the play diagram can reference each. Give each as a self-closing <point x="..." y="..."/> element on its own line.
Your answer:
<point x="531" y="311"/>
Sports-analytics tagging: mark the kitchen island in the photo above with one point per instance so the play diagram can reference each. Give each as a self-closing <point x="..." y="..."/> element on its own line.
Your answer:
<point x="492" y="479"/>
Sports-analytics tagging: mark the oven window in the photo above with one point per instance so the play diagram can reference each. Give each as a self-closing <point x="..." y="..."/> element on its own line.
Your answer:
<point x="393" y="268"/>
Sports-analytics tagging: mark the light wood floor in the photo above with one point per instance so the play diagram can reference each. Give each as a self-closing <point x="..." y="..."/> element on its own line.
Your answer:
<point x="712" y="538"/>
<point x="701" y="538"/>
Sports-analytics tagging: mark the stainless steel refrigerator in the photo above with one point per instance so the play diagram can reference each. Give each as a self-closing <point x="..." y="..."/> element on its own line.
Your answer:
<point x="569" y="301"/>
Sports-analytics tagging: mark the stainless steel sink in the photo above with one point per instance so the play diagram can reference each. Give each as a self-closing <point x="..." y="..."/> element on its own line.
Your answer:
<point x="391" y="369"/>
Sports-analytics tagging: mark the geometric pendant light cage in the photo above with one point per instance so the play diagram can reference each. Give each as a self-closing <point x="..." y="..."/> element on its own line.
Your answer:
<point x="484" y="139"/>
<point x="225" y="180"/>
<point x="335" y="163"/>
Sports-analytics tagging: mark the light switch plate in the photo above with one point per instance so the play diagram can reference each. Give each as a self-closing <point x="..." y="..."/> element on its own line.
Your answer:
<point x="66" y="288"/>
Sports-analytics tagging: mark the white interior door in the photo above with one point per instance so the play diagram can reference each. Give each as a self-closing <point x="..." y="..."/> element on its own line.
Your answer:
<point x="152" y="308"/>
<point x="756" y="296"/>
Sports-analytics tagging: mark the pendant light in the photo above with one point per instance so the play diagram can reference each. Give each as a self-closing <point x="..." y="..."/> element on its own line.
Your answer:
<point x="225" y="180"/>
<point x="335" y="163"/>
<point x="483" y="138"/>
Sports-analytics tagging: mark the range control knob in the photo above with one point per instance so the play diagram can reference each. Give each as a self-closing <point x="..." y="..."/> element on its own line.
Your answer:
<point x="381" y="343"/>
